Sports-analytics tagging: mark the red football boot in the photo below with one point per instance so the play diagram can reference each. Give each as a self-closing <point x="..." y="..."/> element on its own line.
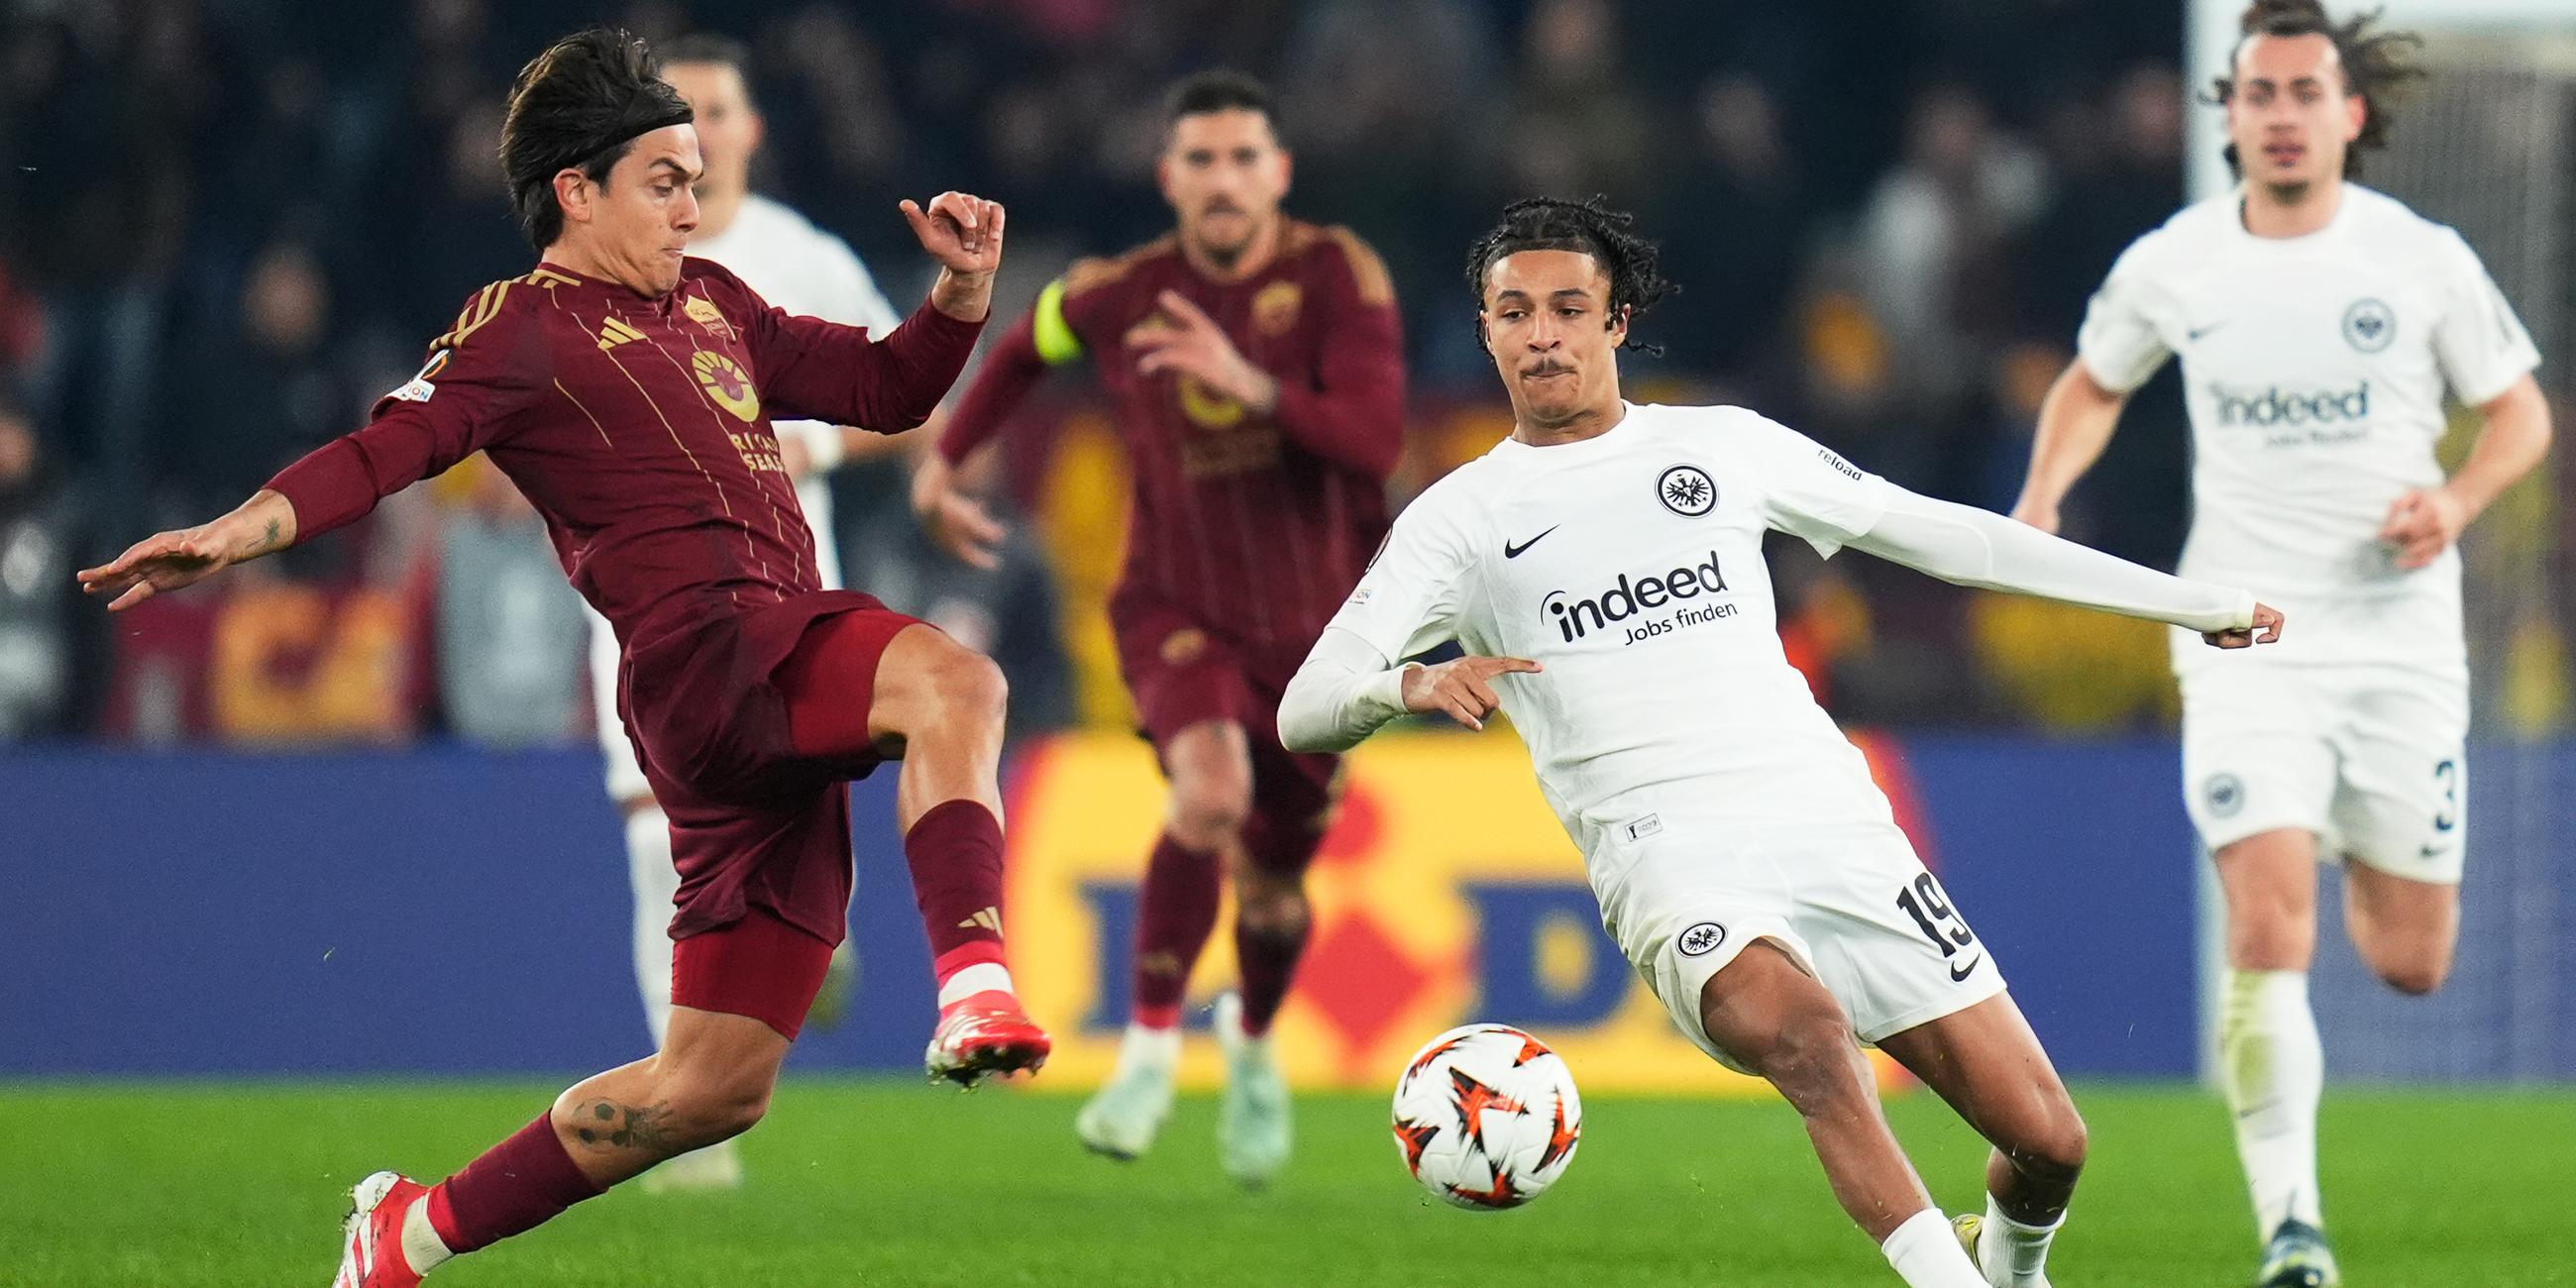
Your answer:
<point x="374" y="1257"/>
<point x="985" y="1033"/>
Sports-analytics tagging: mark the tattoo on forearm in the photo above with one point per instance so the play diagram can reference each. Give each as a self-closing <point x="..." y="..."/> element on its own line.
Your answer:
<point x="605" y="1124"/>
<point x="268" y="542"/>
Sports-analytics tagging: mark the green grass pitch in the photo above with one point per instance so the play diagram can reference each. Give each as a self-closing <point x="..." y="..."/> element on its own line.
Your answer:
<point x="153" y="1185"/>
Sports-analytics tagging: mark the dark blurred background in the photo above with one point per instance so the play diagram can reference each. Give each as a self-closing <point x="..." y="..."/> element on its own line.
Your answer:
<point x="227" y="225"/>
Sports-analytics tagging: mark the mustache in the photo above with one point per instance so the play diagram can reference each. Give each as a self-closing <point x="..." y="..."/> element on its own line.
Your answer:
<point x="1550" y="367"/>
<point x="1220" y="206"/>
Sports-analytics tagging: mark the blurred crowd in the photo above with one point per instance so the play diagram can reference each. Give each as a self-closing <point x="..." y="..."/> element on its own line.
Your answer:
<point x="226" y="225"/>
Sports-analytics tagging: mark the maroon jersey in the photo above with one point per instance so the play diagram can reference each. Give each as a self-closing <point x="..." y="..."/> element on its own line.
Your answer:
<point x="639" y="427"/>
<point x="1253" y="527"/>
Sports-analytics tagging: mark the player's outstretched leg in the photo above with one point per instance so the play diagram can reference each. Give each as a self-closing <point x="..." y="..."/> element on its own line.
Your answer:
<point x="710" y="1083"/>
<point x="1772" y="1017"/>
<point x="1211" y="779"/>
<point x="939" y="706"/>
<point x="655" y="882"/>
<point x="1988" y="1065"/>
<point x="2272" y="1063"/>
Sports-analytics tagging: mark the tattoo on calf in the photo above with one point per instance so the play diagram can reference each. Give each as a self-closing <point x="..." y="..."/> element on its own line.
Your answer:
<point x="607" y="1125"/>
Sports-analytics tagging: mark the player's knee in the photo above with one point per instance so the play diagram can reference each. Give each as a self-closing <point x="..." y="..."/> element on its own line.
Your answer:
<point x="2414" y="974"/>
<point x="1209" y="808"/>
<point x="2057" y="1149"/>
<point x="968" y="687"/>
<point x="1812" y="1062"/>
<point x="1271" y="906"/>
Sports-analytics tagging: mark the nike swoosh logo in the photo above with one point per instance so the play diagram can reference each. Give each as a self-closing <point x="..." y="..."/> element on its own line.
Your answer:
<point x="2199" y="331"/>
<point x="1511" y="551"/>
<point x="1959" y="974"/>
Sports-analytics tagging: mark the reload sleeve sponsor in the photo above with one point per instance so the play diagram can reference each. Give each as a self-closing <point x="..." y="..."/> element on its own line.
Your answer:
<point x="479" y="375"/>
<point x="2481" y="345"/>
<point x="2118" y="342"/>
<point x="1411" y="597"/>
<point x="1810" y="492"/>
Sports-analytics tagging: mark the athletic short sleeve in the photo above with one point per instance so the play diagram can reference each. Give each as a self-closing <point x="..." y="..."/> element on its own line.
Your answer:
<point x="2482" y="347"/>
<point x="1412" y="596"/>
<point x="2118" y="342"/>
<point x="1808" y="490"/>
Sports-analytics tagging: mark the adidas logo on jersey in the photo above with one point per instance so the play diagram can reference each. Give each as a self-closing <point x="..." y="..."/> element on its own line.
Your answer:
<point x="1630" y="595"/>
<point x="2274" y="407"/>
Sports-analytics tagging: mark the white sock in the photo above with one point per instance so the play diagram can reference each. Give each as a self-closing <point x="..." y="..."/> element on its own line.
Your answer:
<point x="1150" y="1048"/>
<point x="2014" y="1255"/>
<point x="1927" y="1254"/>
<point x="2274" y="1069"/>
<point x="422" y="1249"/>
<point x="656" y="882"/>
<point x="982" y="977"/>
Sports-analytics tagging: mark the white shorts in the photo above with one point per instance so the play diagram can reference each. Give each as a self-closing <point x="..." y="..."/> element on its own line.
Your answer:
<point x="1850" y="901"/>
<point x="2370" y="758"/>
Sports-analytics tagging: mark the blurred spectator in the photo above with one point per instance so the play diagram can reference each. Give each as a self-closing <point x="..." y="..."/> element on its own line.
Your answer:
<point x="512" y="641"/>
<point x="258" y="387"/>
<point x="38" y="551"/>
<point x="1734" y="218"/>
<point x="1577" y="126"/>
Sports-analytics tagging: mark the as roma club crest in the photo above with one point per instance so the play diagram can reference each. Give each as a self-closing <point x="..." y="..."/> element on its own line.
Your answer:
<point x="704" y="312"/>
<point x="1274" y="310"/>
<point x="727" y="383"/>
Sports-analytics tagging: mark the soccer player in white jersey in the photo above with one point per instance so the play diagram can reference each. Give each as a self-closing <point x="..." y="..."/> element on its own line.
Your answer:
<point x="2318" y="323"/>
<point x="1602" y="568"/>
<point x="804" y="270"/>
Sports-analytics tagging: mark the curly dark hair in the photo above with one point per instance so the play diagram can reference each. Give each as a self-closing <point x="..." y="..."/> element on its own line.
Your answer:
<point x="1591" y="227"/>
<point x="2375" y="63"/>
<point x="579" y="105"/>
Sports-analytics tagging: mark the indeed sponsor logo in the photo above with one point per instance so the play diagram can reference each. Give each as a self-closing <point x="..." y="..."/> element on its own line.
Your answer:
<point x="2276" y="406"/>
<point x="1632" y="595"/>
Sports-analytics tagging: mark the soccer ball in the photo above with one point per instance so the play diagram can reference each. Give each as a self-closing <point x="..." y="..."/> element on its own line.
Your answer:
<point x="1486" y="1117"/>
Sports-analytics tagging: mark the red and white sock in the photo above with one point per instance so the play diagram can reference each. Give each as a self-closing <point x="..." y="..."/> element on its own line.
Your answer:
<point x="955" y="852"/>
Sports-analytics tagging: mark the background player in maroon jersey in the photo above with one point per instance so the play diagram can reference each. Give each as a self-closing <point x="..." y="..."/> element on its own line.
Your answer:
<point x="1257" y="366"/>
<point x="627" y="390"/>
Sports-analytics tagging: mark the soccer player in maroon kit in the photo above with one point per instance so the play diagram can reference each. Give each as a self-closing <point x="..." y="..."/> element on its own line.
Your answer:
<point x="627" y="390"/>
<point x="1256" y="362"/>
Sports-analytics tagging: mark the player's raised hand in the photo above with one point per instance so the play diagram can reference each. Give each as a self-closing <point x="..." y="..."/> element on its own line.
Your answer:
<point x="963" y="233"/>
<point x="1462" y="688"/>
<point x="2265" y="630"/>
<point x="1195" y="346"/>
<point x="955" y="522"/>
<point x="2422" y="524"/>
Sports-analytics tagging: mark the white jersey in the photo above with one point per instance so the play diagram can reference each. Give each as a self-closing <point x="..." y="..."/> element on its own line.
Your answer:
<point x="1629" y="565"/>
<point x="2315" y="369"/>
<point x="804" y="270"/>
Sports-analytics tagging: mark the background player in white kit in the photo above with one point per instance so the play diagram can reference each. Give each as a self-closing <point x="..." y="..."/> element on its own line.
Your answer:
<point x="2317" y="322"/>
<point x="805" y="270"/>
<point x="1603" y="570"/>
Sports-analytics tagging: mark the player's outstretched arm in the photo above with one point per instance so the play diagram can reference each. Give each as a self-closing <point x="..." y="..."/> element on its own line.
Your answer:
<point x="1971" y="547"/>
<point x="2075" y="424"/>
<point x="167" y="561"/>
<point x="1346" y="691"/>
<point x="2424" y="521"/>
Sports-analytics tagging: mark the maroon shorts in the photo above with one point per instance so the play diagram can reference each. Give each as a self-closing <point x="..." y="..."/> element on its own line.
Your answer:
<point x="1182" y="674"/>
<point x="759" y="966"/>
<point x="760" y="816"/>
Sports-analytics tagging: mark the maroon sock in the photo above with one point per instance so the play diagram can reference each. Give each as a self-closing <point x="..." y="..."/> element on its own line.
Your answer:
<point x="955" y="850"/>
<point x="1267" y="957"/>
<point x="1178" y="913"/>
<point x="517" y="1185"/>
